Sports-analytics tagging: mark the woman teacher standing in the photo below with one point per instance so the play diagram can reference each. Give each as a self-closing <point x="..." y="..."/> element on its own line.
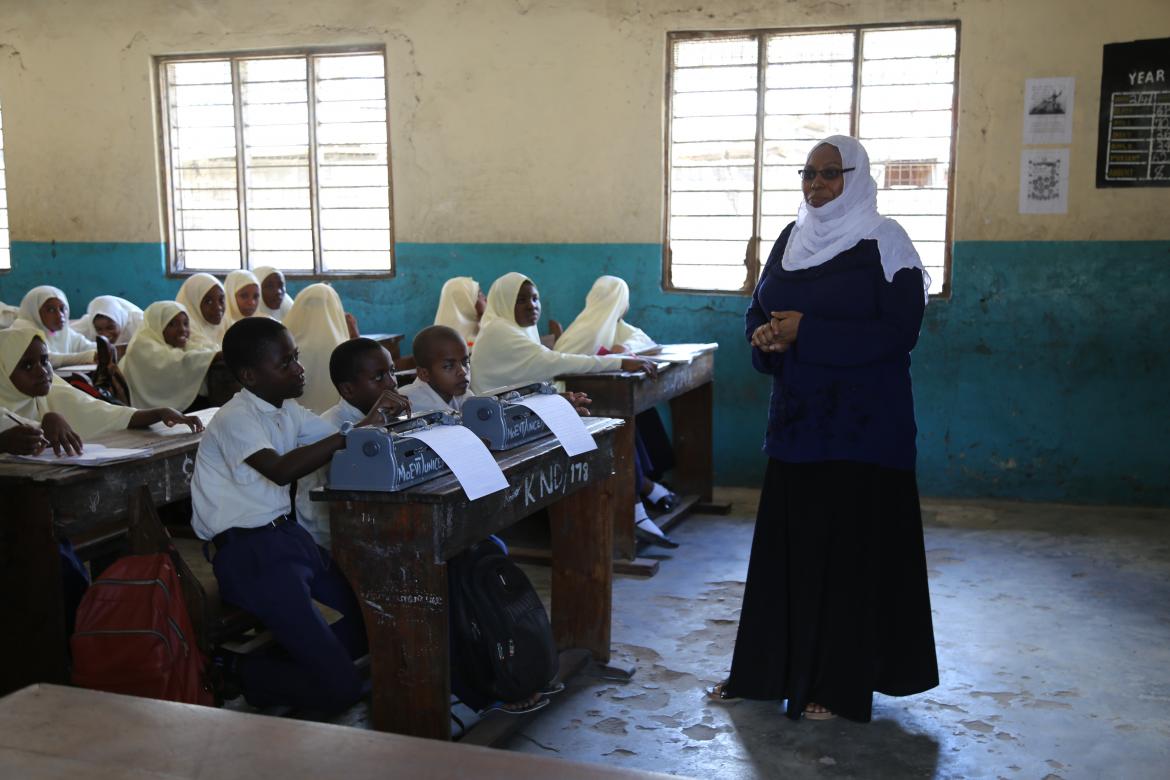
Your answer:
<point x="836" y="604"/>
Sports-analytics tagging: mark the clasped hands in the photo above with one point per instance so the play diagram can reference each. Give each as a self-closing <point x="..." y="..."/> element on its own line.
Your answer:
<point x="778" y="333"/>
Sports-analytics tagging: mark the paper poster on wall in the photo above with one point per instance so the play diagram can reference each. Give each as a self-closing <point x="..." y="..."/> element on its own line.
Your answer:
<point x="1044" y="181"/>
<point x="1048" y="110"/>
<point x="1133" y="136"/>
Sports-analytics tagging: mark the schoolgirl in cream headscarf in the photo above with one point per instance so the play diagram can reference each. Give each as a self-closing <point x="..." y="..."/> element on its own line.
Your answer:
<point x="461" y="305"/>
<point x="67" y="415"/>
<point x="317" y="324"/>
<point x="274" y="301"/>
<point x="162" y="366"/>
<point x="600" y="324"/>
<point x="108" y="315"/>
<point x="46" y="309"/>
<point x="205" y="301"/>
<point x="508" y="350"/>
<point x="242" y="292"/>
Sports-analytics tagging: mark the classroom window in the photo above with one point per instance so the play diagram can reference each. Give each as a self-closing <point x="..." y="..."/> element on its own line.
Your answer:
<point x="744" y="109"/>
<point x="278" y="159"/>
<point x="5" y="252"/>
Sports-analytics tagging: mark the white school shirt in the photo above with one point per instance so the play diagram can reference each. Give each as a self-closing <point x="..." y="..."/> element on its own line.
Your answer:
<point x="314" y="515"/>
<point x="228" y="493"/>
<point x="423" y="398"/>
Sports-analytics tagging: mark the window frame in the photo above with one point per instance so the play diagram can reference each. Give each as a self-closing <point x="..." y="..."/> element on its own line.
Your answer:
<point x="5" y="269"/>
<point x="175" y="269"/>
<point x="752" y="260"/>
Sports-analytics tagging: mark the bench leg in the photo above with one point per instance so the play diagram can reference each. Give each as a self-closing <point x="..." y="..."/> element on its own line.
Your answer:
<point x="691" y="419"/>
<point x="625" y="546"/>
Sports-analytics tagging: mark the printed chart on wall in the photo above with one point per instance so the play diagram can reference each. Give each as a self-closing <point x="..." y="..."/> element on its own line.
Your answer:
<point x="1133" y="142"/>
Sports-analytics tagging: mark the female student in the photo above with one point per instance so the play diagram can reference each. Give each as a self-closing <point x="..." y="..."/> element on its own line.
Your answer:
<point x="117" y="319"/>
<point x="66" y="415"/>
<point x="46" y="309"/>
<point x="274" y="301"/>
<point x="242" y="292"/>
<point x="162" y="366"/>
<point x="204" y="299"/>
<point x="461" y="306"/>
<point x="318" y="324"/>
<point x="599" y="328"/>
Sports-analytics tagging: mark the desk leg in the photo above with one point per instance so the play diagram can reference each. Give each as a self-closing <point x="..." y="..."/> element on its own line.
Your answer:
<point x="387" y="553"/>
<point x="31" y="609"/>
<point x="624" y="545"/>
<point x="691" y="418"/>
<point x="582" y="567"/>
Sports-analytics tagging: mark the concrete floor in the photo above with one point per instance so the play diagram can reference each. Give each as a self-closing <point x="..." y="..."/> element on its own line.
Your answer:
<point x="1053" y="633"/>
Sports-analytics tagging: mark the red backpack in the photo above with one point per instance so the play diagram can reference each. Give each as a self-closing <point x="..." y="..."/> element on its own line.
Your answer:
<point x="134" y="635"/>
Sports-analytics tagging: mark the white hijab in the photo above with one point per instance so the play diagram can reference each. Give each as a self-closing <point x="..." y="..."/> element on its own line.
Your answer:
<point x="823" y="233"/>
<point x="236" y="281"/>
<point x="600" y="323"/>
<point x="191" y="296"/>
<point x="317" y="323"/>
<point x="85" y="414"/>
<point x="65" y="342"/>
<point x="159" y="374"/>
<point x="125" y="315"/>
<point x="507" y="354"/>
<point x="457" y="307"/>
<point x="262" y="273"/>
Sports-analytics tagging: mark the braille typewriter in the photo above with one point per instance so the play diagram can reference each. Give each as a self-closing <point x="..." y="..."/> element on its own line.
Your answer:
<point x="386" y="458"/>
<point x="501" y="422"/>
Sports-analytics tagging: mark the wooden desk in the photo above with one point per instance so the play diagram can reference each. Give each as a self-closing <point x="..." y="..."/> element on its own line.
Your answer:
<point x="689" y="389"/>
<point x="393" y="548"/>
<point x="43" y="503"/>
<point x="48" y="732"/>
<point x="391" y="341"/>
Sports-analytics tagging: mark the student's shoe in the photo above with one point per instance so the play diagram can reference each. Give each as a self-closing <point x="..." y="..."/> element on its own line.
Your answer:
<point x="552" y="689"/>
<point x="667" y="502"/>
<point x="517" y="708"/>
<point x="648" y="531"/>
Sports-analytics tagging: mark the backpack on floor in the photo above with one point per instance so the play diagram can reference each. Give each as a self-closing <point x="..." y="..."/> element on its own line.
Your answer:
<point x="502" y="643"/>
<point x="134" y="635"/>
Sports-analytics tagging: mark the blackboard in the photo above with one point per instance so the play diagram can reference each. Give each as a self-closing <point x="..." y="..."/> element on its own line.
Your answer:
<point x="1133" y="141"/>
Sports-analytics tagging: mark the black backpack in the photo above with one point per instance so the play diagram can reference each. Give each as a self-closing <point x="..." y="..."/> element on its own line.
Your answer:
<point x="502" y="643"/>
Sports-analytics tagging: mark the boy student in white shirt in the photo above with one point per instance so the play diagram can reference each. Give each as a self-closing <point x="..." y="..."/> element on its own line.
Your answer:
<point x="444" y="370"/>
<point x="256" y="446"/>
<point x="363" y="372"/>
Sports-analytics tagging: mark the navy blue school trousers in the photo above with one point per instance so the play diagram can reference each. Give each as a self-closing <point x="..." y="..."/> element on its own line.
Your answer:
<point x="275" y="574"/>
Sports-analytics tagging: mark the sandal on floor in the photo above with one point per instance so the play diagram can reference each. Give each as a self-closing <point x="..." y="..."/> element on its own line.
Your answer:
<point x="517" y="709"/>
<point x="552" y="689"/>
<point x="718" y="694"/>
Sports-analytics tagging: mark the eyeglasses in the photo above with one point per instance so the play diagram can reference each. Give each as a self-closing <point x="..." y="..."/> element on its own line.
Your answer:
<point x="809" y="173"/>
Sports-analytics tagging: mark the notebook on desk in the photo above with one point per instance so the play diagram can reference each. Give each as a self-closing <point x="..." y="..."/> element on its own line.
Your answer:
<point x="92" y="455"/>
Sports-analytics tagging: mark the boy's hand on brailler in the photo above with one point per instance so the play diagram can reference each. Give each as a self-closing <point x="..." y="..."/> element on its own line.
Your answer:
<point x="579" y="401"/>
<point x="388" y="406"/>
<point x="61" y="437"/>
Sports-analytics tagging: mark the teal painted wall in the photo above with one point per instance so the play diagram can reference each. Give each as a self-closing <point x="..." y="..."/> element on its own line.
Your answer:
<point x="1045" y="377"/>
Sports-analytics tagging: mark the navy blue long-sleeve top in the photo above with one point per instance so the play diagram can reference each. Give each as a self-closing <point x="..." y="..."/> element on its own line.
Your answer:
<point x="842" y="390"/>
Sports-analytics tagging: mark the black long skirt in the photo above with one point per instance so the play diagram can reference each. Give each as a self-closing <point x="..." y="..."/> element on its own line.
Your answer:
<point x="836" y="604"/>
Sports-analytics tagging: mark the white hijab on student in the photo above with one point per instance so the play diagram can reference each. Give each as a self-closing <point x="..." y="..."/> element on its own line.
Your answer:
<point x="236" y="281"/>
<point x="600" y="323"/>
<point x="67" y="347"/>
<point x="262" y="273"/>
<point x="457" y="307"/>
<point x="191" y="295"/>
<point x="85" y="414"/>
<point x="823" y="233"/>
<point x="159" y="374"/>
<point x="507" y="354"/>
<point x="125" y="315"/>
<point x="317" y="323"/>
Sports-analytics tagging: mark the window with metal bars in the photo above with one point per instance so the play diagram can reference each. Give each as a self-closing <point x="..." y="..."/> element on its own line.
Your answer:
<point x="278" y="159"/>
<point x="5" y="251"/>
<point x="744" y="110"/>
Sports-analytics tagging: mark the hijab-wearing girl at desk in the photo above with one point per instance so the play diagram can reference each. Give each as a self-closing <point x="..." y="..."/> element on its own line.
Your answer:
<point x="601" y="330"/>
<point x="117" y="319"/>
<point x="461" y="307"/>
<point x="66" y="415"/>
<point x="46" y="309"/>
<point x="318" y="324"/>
<point x="162" y="366"/>
<point x="242" y="292"/>
<point x="274" y="301"/>
<point x="205" y="301"/>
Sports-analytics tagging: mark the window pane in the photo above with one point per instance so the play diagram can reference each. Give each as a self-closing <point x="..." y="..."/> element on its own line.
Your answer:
<point x="721" y="228"/>
<point x="356" y="261"/>
<point x="694" y="154"/>
<point x="912" y="70"/>
<point x="708" y="277"/>
<point x="712" y="178"/>
<point x="359" y="219"/>
<point x="820" y="74"/>
<point x="920" y="42"/>
<point x="714" y="79"/>
<point x="723" y="128"/>
<point x="268" y="240"/>
<point x="284" y="260"/>
<point x="280" y="219"/>
<point x="711" y="203"/>
<point x="209" y="261"/>
<point x="351" y="65"/>
<point x="811" y="47"/>
<point x="715" y="103"/>
<point x="715" y="51"/>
